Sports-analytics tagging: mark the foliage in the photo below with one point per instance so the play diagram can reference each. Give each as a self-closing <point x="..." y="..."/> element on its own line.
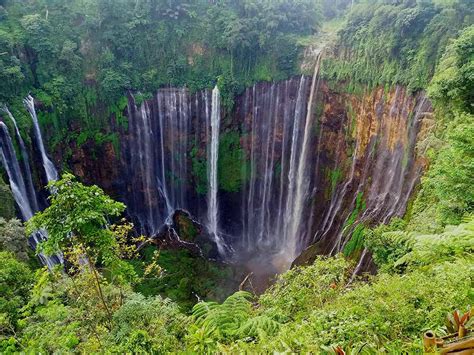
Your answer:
<point x="16" y="280"/>
<point x="78" y="217"/>
<point x="302" y="289"/>
<point x="315" y="308"/>
<point x="219" y="321"/>
<point x="335" y="8"/>
<point x="181" y="277"/>
<point x="335" y="176"/>
<point x="7" y="208"/>
<point x="127" y="242"/>
<point x="232" y="162"/>
<point x="309" y="309"/>
<point x="79" y="58"/>
<point x="77" y="224"/>
<point x="388" y="243"/>
<point x="394" y="249"/>
<point x="356" y="241"/>
<point x="156" y="320"/>
<point x="448" y="180"/>
<point x="355" y="231"/>
<point x="386" y="42"/>
<point x="390" y="313"/>
<point x="455" y="242"/>
<point x="447" y="194"/>
<point x="13" y="239"/>
<point x="199" y="166"/>
<point x="453" y="83"/>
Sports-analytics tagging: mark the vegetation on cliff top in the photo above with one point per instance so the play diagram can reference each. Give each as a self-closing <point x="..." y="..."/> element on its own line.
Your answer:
<point x="447" y="193"/>
<point x="80" y="57"/>
<point x="396" y="42"/>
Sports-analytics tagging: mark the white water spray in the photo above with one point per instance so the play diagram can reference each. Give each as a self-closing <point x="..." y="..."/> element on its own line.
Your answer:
<point x="51" y="172"/>
<point x="212" y="213"/>
<point x="302" y="178"/>
<point x="25" y="202"/>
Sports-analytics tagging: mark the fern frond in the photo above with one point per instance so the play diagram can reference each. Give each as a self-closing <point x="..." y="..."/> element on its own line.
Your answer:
<point x="202" y="309"/>
<point x="258" y="326"/>
<point x="224" y="320"/>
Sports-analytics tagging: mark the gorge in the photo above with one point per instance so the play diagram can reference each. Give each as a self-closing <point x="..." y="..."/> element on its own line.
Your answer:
<point x="307" y="163"/>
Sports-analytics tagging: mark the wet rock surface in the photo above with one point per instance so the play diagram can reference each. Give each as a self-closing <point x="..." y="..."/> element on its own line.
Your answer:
<point x="363" y="164"/>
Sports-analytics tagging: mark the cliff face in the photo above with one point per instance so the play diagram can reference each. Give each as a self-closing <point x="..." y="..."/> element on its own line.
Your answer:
<point x="369" y="164"/>
<point x="362" y="163"/>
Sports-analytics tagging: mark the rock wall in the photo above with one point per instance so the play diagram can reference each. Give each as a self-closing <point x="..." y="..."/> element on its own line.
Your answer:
<point x="363" y="164"/>
<point x="368" y="161"/>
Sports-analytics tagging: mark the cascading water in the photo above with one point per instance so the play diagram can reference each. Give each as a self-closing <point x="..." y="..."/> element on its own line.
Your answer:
<point x="15" y="176"/>
<point x="213" y="212"/>
<point x="382" y="173"/>
<point x="277" y="128"/>
<point x="25" y="163"/>
<point x="388" y="197"/>
<point x="302" y="176"/>
<point x="296" y="188"/>
<point x="49" y="168"/>
<point x="157" y="157"/>
<point x="26" y="202"/>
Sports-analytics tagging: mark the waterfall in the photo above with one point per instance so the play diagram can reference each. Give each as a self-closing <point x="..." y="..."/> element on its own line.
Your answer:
<point x="302" y="175"/>
<point x="50" y="170"/>
<point x="277" y="124"/>
<point x="383" y="172"/>
<point x="292" y="175"/>
<point x="144" y="140"/>
<point x="287" y="198"/>
<point x="26" y="202"/>
<point x="277" y="128"/>
<point x="11" y="165"/>
<point x="162" y="181"/>
<point x="213" y="209"/>
<point x="25" y="162"/>
<point x="157" y="160"/>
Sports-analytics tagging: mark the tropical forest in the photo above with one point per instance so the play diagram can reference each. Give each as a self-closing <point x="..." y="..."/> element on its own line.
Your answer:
<point x="237" y="177"/>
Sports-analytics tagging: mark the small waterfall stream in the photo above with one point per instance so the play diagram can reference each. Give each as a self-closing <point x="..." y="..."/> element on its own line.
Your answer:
<point x="49" y="168"/>
<point x="15" y="176"/>
<point x="303" y="177"/>
<point x="213" y="209"/>
<point x="19" y="183"/>
<point x="25" y="161"/>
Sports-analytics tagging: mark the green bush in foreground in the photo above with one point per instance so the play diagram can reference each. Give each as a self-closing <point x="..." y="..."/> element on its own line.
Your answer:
<point x="317" y="308"/>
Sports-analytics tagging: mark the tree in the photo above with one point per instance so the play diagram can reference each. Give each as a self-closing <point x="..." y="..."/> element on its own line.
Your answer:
<point x="7" y="208"/>
<point x="449" y="177"/>
<point x="13" y="239"/>
<point x="447" y="191"/>
<point x="16" y="280"/>
<point x="77" y="222"/>
<point x="453" y="83"/>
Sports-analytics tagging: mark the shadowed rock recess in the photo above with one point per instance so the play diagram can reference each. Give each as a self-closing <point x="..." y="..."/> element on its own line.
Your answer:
<point x="293" y="172"/>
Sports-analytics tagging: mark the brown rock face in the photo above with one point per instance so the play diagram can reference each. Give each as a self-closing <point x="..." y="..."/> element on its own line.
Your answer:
<point x="93" y="165"/>
<point x="368" y="164"/>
